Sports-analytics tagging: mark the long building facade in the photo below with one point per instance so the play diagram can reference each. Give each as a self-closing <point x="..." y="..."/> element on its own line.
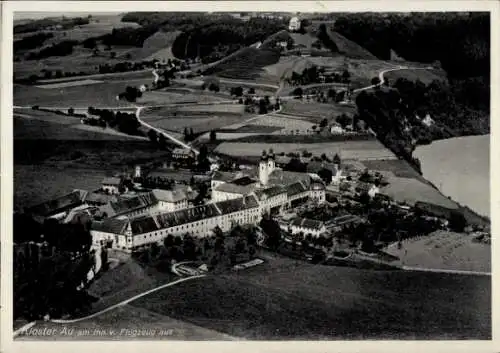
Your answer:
<point x="236" y="199"/>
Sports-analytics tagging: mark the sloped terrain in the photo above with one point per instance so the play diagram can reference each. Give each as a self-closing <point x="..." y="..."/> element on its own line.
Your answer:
<point x="349" y="48"/>
<point x="246" y="64"/>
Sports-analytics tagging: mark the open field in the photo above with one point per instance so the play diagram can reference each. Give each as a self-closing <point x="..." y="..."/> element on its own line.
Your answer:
<point x="358" y="150"/>
<point x="445" y="251"/>
<point x="425" y="76"/>
<point x="96" y="95"/>
<point x="34" y="184"/>
<point x="316" y="111"/>
<point x="175" y="95"/>
<point x="81" y="154"/>
<point x="411" y="190"/>
<point x="197" y="123"/>
<point x="29" y="128"/>
<point x="288" y="299"/>
<point x="68" y="84"/>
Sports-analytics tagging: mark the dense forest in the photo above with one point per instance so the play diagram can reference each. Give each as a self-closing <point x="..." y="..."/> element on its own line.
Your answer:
<point x="218" y="39"/>
<point x="460" y="41"/>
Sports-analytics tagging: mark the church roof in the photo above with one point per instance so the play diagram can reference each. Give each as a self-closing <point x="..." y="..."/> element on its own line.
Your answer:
<point x="235" y="189"/>
<point x="295" y="188"/>
<point x="269" y="192"/>
<point x="283" y="177"/>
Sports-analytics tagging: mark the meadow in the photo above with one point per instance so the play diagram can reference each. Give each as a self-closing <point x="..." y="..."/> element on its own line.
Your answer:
<point x="127" y="323"/>
<point x="357" y="150"/>
<point x="314" y="111"/>
<point x="28" y="127"/>
<point x="289" y="299"/>
<point x="96" y="95"/>
<point x="196" y="122"/>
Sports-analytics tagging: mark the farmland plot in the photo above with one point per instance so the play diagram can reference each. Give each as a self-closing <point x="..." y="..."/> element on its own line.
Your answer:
<point x="356" y="150"/>
<point x="212" y="122"/>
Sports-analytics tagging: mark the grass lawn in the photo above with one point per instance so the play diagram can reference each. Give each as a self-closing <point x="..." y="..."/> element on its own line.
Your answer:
<point x="357" y="150"/>
<point x="294" y="300"/>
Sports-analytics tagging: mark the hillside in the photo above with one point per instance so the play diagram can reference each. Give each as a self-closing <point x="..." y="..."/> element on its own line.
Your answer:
<point x="349" y="48"/>
<point x="247" y="63"/>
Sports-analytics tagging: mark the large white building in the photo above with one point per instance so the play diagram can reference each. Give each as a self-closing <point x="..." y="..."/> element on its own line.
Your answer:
<point x="237" y="198"/>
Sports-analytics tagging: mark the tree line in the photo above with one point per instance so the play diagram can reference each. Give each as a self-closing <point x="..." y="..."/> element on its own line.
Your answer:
<point x="32" y="41"/>
<point x="124" y="122"/>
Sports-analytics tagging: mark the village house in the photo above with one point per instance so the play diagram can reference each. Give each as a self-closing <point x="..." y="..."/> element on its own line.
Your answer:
<point x="304" y="226"/>
<point x="112" y="185"/>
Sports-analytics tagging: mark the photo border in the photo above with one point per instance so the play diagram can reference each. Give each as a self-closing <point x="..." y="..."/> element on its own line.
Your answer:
<point x="6" y="191"/>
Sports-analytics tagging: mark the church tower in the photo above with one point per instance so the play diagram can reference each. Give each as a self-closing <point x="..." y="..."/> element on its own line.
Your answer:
<point x="263" y="169"/>
<point x="271" y="162"/>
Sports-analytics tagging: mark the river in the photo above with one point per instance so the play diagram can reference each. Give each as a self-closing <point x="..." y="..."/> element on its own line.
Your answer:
<point x="460" y="168"/>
